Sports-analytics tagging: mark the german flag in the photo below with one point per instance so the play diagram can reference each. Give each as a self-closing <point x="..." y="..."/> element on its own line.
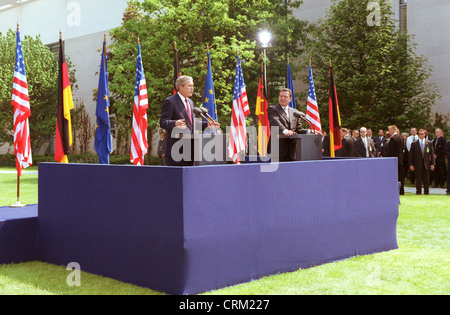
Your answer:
<point x="63" y="140"/>
<point x="261" y="112"/>
<point x="335" y="118"/>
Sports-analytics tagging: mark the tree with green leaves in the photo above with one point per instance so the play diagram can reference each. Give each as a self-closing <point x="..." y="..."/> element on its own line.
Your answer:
<point x="225" y="26"/>
<point x="42" y="75"/>
<point x="380" y="79"/>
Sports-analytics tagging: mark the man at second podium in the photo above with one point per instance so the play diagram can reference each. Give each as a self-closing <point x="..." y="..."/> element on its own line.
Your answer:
<point x="282" y="116"/>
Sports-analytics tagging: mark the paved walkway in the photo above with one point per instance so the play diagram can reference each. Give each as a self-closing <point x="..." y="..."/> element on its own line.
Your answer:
<point x="433" y="191"/>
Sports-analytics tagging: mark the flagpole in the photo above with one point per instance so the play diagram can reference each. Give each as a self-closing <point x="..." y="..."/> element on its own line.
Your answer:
<point x="18" y="204"/>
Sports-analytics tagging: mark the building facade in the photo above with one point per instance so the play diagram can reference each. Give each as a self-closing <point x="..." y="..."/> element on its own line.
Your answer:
<point x="428" y="21"/>
<point x="83" y="24"/>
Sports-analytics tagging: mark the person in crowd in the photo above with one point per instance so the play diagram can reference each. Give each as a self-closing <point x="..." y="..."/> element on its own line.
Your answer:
<point x="370" y="134"/>
<point x="427" y="135"/>
<point x="406" y="170"/>
<point x="379" y="141"/>
<point x="395" y="149"/>
<point x="421" y="162"/>
<point x="365" y="147"/>
<point x="413" y="137"/>
<point x="282" y="116"/>
<point x="355" y="134"/>
<point x="348" y="144"/>
<point x="325" y="144"/>
<point x="161" y="152"/>
<point x="439" y="152"/>
<point x="447" y="153"/>
<point x="385" y="143"/>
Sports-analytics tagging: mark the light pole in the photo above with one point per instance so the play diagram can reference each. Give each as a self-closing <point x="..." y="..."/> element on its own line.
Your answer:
<point x="265" y="37"/>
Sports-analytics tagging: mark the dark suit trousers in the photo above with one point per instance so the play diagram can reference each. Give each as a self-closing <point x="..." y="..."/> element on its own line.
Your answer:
<point x="439" y="173"/>
<point x="448" y="175"/>
<point x="422" y="177"/>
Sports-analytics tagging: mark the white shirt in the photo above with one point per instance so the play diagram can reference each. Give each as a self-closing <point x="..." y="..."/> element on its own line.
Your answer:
<point x="410" y="140"/>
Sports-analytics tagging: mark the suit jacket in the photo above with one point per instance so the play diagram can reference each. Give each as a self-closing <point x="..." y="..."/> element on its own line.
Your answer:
<point x="361" y="149"/>
<point x="420" y="160"/>
<point x="395" y="148"/>
<point x="447" y="152"/>
<point x="348" y="147"/>
<point x="174" y="109"/>
<point x="278" y="118"/>
<point x="439" y="148"/>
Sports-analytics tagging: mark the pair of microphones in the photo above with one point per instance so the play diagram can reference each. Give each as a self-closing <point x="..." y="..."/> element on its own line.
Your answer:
<point x="301" y="115"/>
<point x="203" y="112"/>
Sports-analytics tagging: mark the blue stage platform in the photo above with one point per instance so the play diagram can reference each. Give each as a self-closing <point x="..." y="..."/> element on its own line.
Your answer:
<point x="190" y="230"/>
<point x="18" y="234"/>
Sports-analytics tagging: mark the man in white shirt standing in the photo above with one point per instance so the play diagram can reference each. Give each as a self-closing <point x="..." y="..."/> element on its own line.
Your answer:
<point x="413" y="137"/>
<point x="364" y="145"/>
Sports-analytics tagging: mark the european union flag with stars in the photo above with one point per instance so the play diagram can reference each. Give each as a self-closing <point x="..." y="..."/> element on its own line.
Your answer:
<point x="290" y="86"/>
<point x="209" y="98"/>
<point x="103" y="131"/>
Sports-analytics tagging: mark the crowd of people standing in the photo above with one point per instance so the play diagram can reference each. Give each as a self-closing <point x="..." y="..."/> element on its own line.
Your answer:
<point x="421" y="157"/>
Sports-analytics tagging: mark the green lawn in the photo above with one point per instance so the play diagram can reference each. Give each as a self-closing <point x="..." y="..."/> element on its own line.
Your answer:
<point x="419" y="267"/>
<point x="8" y="186"/>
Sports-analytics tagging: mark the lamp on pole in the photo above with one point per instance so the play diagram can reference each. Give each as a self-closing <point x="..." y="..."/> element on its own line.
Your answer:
<point x="265" y="37"/>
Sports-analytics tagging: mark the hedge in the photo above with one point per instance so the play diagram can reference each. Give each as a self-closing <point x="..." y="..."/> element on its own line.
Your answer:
<point x="8" y="160"/>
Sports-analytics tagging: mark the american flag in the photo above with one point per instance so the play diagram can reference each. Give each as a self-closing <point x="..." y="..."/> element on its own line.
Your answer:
<point x="139" y="143"/>
<point x="240" y="110"/>
<point x="312" y="109"/>
<point x="21" y="103"/>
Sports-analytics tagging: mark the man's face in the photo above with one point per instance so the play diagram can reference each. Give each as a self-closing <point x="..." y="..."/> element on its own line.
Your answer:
<point x="413" y="131"/>
<point x="437" y="133"/>
<point x="381" y="133"/>
<point x="421" y="135"/>
<point x="188" y="89"/>
<point x="284" y="98"/>
<point x="343" y="133"/>
<point x="363" y="133"/>
<point x="369" y="132"/>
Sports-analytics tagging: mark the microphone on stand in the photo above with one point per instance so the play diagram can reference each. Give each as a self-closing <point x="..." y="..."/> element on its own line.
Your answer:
<point x="302" y="116"/>
<point x="198" y="112"/>
<point x="205" y="112"/>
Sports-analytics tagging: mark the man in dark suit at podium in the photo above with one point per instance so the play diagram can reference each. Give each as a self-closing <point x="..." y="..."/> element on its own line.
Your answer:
<point x="282" y="116"/>
<point x="421" y="162"/>
<point x="177" y="112"/>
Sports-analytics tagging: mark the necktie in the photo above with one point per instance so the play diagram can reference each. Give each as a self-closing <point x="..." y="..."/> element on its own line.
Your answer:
<point x="422" y="147"/>
<point x="188" y="108"/>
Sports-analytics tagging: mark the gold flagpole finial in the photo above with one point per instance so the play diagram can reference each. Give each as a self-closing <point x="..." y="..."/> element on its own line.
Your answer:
<point x="60" y="33"/>
<point x="17" y="25"/>
<point x="104" y="36"/>
<point x="175" y="46"/>
<point x="207" y="48"/>
<point x="310" y="62"/>
<point x="139" y="41"/>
